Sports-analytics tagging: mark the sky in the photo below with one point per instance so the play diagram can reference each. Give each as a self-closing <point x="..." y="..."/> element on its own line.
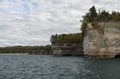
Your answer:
<point x="32" y="22"/>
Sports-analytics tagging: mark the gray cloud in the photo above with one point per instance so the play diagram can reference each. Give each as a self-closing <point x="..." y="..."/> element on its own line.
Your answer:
<point x="32" y="22"/>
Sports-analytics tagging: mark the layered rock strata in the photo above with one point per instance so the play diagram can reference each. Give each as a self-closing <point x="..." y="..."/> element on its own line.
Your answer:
<point x="103" y="42"/>
<point x="67" y="50"/>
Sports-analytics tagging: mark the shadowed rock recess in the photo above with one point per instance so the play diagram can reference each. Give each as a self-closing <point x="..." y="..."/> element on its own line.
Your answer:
<point x="103" y="42"/>
<point x="67" y="50"/>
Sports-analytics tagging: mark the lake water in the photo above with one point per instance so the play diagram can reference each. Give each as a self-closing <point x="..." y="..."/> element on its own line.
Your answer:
<point x="52" y="67"/>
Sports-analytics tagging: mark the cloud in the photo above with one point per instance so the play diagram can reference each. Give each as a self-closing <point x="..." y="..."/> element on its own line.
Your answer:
<point x="32" y="22"/>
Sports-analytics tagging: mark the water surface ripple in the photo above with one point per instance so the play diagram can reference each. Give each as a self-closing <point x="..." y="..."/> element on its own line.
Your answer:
<point x="52" y="67"/>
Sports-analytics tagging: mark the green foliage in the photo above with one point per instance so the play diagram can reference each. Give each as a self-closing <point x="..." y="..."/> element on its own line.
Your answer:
<point x="95" y="24"/>
<point x="23" y="49"/>
<point x="95" y="18"/>
<point x="114" y="25"/>
<point x="92" y="13"/>
<point x="67" y="39"/>
<point x="104" y="16"/>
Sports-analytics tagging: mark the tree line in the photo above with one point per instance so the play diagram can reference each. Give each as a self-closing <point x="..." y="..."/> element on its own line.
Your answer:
<point x="101" y="16"/>
<point x="23" y="49"/>
<point x="66" y="39"/>
<point x="95" y="18"/>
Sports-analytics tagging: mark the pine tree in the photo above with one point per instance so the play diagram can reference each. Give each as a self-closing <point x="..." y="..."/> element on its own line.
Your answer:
<point x="93" y="13"/>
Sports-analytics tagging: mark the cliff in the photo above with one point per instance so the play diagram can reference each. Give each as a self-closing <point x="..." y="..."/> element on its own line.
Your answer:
<point x="67" y="50"/>
<point x="103" y="42"/>
<point x="67" y="44"/>
<point x="40" y="52"/>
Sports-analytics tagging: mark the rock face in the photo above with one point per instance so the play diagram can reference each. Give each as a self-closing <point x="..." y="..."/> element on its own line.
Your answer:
<point x="39" y="52"/>
<point x="103" y="42"/>
<point x="67" y="50"/>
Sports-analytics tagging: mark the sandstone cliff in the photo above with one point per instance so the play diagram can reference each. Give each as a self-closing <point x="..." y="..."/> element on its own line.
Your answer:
<point x="67" y="50"/>
<point x="40" y="52"/>
<point x="103" y="42"/>
<point x="67" y="44"/>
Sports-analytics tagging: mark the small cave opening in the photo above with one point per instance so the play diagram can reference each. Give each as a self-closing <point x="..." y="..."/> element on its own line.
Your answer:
<point x="68" y="55"/>
<point x="117" y="56"/>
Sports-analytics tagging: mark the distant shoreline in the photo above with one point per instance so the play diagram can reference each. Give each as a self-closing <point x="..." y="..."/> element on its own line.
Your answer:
<point x="13" y="54"/>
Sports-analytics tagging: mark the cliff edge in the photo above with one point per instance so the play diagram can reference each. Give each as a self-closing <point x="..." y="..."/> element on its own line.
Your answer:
<point x="103" y="42"/>
<point x="67" y="44"/>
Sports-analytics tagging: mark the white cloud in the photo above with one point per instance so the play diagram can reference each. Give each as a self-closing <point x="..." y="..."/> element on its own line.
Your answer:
<point x="32" y="22"/>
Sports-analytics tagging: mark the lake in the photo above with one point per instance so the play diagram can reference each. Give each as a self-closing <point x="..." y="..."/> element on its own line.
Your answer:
<point x="57" y="67"/>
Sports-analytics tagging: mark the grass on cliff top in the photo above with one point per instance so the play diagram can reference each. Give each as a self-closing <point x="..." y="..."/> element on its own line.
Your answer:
<point x="113" y="25"/>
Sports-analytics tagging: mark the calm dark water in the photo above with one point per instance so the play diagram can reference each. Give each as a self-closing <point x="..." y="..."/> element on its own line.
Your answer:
<point x="52" y="67"/>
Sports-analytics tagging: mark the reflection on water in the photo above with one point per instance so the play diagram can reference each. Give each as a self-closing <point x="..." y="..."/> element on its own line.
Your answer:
<point x="51" y="67"/>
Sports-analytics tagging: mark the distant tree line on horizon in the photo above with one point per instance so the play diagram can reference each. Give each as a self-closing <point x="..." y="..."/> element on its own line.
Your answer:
<point x="23" y="49"/>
